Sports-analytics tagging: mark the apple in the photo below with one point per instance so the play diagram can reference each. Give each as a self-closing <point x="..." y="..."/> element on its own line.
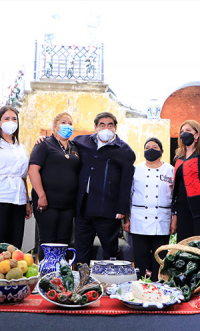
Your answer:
<point x="35" y="266"/>
<point x="18" y="255"/>
<point x="29" y="259"/>
<point x="31" y="272"/>
<point x="23" y="266"/>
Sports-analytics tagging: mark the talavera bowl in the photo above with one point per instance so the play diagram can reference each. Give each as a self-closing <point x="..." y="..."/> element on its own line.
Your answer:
<point x="16" y="290"/>
<point x="113" y="272"/>
<point x="123" y="292"/>
<point x="76" y="276"/>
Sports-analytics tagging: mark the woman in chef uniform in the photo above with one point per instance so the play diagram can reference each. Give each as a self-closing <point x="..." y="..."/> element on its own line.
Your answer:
<point x="150" y="212"/>
<point x="14" y="204"/>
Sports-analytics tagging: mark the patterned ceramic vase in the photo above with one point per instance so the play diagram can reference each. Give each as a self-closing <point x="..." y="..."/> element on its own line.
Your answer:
<point x="53" y="255"/>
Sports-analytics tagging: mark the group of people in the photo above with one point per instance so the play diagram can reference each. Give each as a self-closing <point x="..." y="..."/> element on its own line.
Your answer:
<point x="93" y="180"/>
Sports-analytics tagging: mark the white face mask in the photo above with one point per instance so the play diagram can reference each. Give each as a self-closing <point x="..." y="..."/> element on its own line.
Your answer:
<point x="9" y="127"/>
<point x="106" y="135"/>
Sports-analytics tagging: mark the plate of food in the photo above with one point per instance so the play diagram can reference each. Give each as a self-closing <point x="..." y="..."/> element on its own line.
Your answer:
<point x="70" y="289"/>
<point x="141" y="295"/>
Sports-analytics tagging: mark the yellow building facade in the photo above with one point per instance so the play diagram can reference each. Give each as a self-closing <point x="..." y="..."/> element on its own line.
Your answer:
<point x="84" y="101"/>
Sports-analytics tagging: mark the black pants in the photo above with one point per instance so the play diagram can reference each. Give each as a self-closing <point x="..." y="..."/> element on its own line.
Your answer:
<point x="12" y="220"/>
<point x="187" y="225"/>
<point x="107" y="229"/>
<point x="54" y="226"/>
<point x="144" y="247"/>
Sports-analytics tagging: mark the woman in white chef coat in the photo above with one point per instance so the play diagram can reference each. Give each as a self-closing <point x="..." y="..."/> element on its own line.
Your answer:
<point x="14" y="204"/>
<point x="150" y="212"/>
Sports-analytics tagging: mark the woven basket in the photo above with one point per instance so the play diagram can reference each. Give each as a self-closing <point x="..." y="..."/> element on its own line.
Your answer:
<point x="183" y="246"/>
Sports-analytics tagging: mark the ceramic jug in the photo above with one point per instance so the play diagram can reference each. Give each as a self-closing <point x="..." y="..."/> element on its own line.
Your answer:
<point x="53" y="255"/>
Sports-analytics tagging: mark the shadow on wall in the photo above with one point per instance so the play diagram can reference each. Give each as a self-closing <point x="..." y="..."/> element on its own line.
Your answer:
<point x="125" y="245"/>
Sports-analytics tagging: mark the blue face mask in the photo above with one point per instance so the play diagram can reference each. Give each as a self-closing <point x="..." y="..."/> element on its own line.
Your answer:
<point x="65" y="130"/>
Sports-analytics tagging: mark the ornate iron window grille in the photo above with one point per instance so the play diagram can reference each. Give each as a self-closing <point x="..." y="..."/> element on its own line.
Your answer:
<point x="69" y="62"/>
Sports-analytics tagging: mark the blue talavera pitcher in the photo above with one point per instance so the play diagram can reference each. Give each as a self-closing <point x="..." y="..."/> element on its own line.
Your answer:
<point x="53" y="255"/>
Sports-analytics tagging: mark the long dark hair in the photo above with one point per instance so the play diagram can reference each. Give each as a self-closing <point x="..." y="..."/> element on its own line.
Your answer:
<point x="3" y="110"/>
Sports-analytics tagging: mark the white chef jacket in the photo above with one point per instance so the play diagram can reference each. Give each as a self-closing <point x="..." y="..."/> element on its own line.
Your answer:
<point x="151" y="197"/>
<point x="13" y="167"/>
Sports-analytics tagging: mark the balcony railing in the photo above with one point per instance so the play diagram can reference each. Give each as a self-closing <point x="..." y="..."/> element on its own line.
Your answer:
<point x="69" y="62"/>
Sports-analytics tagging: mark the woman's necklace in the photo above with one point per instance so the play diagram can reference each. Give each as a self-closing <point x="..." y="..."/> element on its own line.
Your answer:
<point x="63" y="149"/>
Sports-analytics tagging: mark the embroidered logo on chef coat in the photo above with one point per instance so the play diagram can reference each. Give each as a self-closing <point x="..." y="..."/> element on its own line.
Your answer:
<point x="167" y="179"/>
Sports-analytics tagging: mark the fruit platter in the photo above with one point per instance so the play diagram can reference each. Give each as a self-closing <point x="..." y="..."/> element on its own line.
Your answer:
<point x="70" y="289"/>
<point x="18" y="274"/>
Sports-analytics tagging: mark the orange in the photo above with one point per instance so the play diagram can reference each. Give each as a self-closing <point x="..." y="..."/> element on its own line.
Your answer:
<point x="4" y="266"/>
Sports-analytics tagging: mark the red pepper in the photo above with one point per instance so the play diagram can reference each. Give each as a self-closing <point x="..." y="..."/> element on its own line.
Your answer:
<point x="52" y="295"/>
<point x="57" y="282"/>
<point x="92" y="295"/>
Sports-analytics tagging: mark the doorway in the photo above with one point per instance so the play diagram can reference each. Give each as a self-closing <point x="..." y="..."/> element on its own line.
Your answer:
<point x="173" y="147"/>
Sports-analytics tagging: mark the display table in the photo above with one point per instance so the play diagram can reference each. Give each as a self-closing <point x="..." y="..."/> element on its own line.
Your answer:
<point x="105" y="306"/>
<point x="36" y="314"/>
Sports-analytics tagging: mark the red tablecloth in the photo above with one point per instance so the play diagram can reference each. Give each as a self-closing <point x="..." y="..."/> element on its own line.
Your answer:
<point x="106" y="306"/>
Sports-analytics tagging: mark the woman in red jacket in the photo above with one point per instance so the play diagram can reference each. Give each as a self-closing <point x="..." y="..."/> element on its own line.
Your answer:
<point x="186" y="199"/>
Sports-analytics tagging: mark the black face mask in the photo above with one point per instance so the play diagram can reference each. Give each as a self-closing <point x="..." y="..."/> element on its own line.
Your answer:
<point x="152" y="154"/>
<point x="187" y="138"/>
